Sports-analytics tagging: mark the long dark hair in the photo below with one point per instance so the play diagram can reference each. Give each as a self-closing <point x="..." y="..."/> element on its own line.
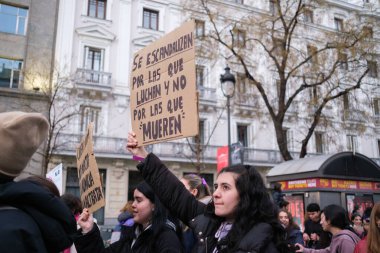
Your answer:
<point x="255" y="206"/>
<point x="160" y="216"/>
<point x="337" y="216"/>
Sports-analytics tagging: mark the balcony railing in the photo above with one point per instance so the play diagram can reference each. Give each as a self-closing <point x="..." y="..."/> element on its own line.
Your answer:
<point x="173" y="151"/>
<point x="354" y="115"/>
<point x="93" y="78"/>
<point x="169" y="151"/>
<point x="206" y="93"/>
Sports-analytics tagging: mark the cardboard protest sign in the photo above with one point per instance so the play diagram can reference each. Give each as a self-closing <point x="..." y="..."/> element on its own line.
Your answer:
<point x="55" y="175"/>
<point x="163" y="90"/>
<point x="90" y="186"/>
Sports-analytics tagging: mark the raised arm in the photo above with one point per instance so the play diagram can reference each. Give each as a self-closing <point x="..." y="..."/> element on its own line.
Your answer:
<point x="172" y="193"/>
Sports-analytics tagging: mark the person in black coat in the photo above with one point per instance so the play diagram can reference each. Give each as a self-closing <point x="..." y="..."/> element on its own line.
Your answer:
<point x="153" y="231"/>
<point x="240" y="218"/>
<point x="32" y="217"/>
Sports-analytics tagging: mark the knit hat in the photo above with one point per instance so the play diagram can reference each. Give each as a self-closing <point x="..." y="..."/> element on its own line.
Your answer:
<point x="20" y="136"/>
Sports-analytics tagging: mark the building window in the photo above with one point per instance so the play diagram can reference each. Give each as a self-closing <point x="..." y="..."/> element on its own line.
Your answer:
<point x="312" y="51"/>
<point x="376" y="106"/>
<point x="288" y="137"/>
<point x="200" y="138"/>
<point x="368" y="32"/>
<point x="72" y="187"/>
<point x="372" y="66"/>
<point x="199" y="28"/>
<point x="242" y="131"/>
<point x="352" y="143"/>
<point x="239" y="38"/>
<point x="378" y="147"/>
<point x="338" y="24"/>
<point x="314" y="93"/>
<point x="97" y="8"/>
<point x="89" y="114"/>
<point x="273" y="7"/>
<point x="346" y="102"/>
<point x="150" y="19"/>
<point x="13" y="19"/>
<point x="241" y="83"/>
<point x="343" y="61"/>
<point x="319" y="142"/>
<point x="10" y="73"/>
<point x="93" y="61"/>
<point x="239" y="1"/>
<point x="200" y="75"/>
<point x="308" y="16"/>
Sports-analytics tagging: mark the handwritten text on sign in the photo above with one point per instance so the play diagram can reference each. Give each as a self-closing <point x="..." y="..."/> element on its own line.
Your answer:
<point x="90" y="186"/>
<point x="163" y="90"/>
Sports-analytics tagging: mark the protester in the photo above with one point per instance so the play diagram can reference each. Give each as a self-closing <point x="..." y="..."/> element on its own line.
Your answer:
<point x="313" y="234"/>
<point x="75" y="205"/>
<point x="154" y="231"/>
<point x="277" y="195"/>
<point x="44" y="182"/>
<point x="284" y="205"/>
<point x="241" y="218"/>
<point x="198" y="187"/>
<point x="371" y="242"/>
<point x="125" y="221"/>
<point x="357" y="224"/>
<point x="293" y="232"/>
<point x="334" y="220"/>
<point x="32" y="218"/>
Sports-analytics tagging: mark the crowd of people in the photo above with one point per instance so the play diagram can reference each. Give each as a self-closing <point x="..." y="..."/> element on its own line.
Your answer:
<point x="167" y="214"/>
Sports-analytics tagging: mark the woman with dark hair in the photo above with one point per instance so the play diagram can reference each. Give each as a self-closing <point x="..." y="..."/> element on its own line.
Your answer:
<point x="357" y="224"/>
<point x="334" y="220"/>
<point x="154" y="231"/>
<point x="240" y="218"/>
<point x="371" y="243"/>
<point x="293" y="232"/>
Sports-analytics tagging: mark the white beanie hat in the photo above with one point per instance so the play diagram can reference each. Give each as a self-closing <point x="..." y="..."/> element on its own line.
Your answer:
<point x="20" y="136"/>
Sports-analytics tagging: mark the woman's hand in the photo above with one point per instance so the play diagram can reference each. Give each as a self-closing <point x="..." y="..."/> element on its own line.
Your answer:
<point x="86" y="221"/>
<point x="132" y="146"/>
<point x="300" y="247"/>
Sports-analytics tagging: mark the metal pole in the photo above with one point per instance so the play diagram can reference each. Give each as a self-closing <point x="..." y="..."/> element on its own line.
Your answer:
<point x="229" y="131"/>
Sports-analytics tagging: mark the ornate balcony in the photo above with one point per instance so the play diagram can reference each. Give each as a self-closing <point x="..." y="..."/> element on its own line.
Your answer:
<point x="207" y="98"/>
<point x="93" y="81"/>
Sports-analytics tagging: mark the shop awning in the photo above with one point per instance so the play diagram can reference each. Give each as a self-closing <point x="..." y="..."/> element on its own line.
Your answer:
<point x="344" y="165"/>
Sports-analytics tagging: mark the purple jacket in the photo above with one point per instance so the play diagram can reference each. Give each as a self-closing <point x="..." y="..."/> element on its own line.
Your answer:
<point x="342" y="242"/>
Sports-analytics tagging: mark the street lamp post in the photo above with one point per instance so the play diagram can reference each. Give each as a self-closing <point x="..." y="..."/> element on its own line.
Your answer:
<point x="228" y="81"/>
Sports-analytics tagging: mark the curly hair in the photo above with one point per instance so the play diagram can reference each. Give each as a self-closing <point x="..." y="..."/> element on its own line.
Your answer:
<point x="255" y="206"/>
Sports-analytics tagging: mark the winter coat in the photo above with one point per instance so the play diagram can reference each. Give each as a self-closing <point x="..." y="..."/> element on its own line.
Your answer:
<point x="361" y="247"/>
<point x="324" y="237"/>
<point x="166" y="242"/>
<point x="294" y="236"/>
<point x="33" y="219"/>
<point x="342" y="242"/>
<point x="193" y="213"/>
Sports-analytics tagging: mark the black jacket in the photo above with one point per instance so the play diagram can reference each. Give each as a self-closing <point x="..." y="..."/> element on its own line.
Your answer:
<point x="194" y="214"/>
<point x="167" y="242"/>
<point x="32" y="219"/>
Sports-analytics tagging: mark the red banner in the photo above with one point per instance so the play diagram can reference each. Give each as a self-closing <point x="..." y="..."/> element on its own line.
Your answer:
<point x="222" y="158"/>
<point x="330" y="184"/>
